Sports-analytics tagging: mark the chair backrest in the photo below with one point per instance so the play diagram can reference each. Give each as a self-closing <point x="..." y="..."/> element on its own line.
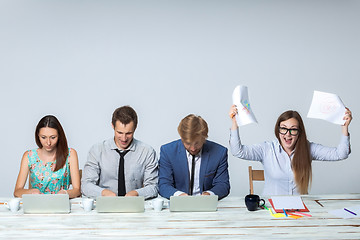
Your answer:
<point x="255" y="175"/>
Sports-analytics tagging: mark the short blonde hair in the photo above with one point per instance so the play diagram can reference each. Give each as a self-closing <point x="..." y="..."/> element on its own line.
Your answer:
<point x="193" y="127"/>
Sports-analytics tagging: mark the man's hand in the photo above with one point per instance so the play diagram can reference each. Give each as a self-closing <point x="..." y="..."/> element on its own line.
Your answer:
<point x="205" y="193"/>
<point x="108" y="193"/>
<point x="132" y="193"/>
<point x="184" y="194"/>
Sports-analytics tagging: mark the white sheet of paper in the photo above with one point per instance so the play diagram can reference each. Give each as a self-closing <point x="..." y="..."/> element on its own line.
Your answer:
<point x="287" y="202"/>
<point x="327" y="106"/>
<point x="241" y="100"/>
<point x="344" y="214"/>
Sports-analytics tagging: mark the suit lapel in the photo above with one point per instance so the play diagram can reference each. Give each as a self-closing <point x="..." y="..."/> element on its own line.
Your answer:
<point x="204" y="163"/>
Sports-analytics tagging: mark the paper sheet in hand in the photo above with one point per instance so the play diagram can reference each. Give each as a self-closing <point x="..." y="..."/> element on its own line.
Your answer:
<point x="327" y="106"/>
<point x="288" y="202"/>
<point x="241" y="100"/>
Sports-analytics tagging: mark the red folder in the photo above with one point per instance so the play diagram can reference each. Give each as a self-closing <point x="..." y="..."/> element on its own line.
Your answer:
<point x="288" y="210"/>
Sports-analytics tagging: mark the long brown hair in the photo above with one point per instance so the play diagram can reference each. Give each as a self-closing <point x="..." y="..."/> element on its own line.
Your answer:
<point x="301" y="162"/>
<point x="62" y="150"/>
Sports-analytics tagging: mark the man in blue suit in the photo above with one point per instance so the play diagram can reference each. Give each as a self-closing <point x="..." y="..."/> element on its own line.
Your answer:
<point x="193" y="165"/>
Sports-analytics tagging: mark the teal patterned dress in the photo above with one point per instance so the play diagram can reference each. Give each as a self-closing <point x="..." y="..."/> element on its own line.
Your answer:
<point x="43" y="178"/>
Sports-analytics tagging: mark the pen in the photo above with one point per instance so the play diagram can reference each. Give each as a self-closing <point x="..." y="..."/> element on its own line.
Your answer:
<point x="294" y="216"/>
<point x="317" y="201"/>
<point x="285" y="212"/>
<point x="264" y="207"/>
<point x="305" y="214"/>
<point x="350" y="211"/>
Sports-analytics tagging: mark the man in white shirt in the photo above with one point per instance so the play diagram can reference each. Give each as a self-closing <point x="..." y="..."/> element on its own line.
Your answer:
<point x="122" y="165"/>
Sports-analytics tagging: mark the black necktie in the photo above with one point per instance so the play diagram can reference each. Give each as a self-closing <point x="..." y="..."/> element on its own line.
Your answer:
<point x="121" y="174"/>
<point x="192" y="175"/>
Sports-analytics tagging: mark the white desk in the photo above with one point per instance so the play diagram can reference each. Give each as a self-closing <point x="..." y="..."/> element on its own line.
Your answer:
<point x="231" y="221"/>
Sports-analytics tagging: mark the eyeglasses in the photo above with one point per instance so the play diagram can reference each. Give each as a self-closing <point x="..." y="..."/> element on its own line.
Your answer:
<point x="293" y="131"/>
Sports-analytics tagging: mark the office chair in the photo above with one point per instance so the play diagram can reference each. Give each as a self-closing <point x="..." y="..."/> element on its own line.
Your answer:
<point x="255" y="175"/>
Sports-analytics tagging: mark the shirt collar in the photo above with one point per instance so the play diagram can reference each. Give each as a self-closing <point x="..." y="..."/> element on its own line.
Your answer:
<point x="278" y="146"/>
<point x="132" y="146"/>
<point x="196" y="156"/>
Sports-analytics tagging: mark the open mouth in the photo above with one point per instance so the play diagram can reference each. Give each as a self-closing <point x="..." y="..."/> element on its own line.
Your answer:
<point x="288" y="140"/>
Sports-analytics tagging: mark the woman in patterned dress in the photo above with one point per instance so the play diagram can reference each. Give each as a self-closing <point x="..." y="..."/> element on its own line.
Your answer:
<point x="51" y="167"/>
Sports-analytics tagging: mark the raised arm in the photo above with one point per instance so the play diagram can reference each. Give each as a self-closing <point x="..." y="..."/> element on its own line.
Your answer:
<point x="233" y="111"/>
<point x="247" y="152"/>
<point x="347" y="118"/>
<point x="342" y="151"/>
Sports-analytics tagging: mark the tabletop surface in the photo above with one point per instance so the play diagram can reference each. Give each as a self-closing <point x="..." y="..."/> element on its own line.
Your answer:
<point x="231" y="221"/>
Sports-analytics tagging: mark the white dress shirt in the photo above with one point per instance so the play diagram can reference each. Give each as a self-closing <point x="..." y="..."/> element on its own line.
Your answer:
<point x="279" y="177"/>
<point x="101" y="169"/>
<point x="196" y="188"/>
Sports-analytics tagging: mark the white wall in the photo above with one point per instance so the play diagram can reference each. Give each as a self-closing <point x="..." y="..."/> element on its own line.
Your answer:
<point x="79" y="60"/>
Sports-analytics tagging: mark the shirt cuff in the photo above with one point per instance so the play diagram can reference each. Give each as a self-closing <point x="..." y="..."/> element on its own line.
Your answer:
<point x="211" y="193"/>
<point x="178" y="193"/>
<point x="345" y="138"/>
<point x="94" y="192"/>
<point x="234" y="133"/>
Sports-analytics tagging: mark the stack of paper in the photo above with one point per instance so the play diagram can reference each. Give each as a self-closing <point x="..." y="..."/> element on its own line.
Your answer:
<point x="288" y="203"/>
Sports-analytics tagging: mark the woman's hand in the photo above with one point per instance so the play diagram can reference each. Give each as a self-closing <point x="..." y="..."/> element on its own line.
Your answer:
<point x="62" y="191"/>
<point x="347" y="118"/>
<point x="233" y="111"/>
<point x="34" y="191"/>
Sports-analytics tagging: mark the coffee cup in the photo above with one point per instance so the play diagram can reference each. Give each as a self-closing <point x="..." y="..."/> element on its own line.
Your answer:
<point x="253" y="202"/>
<point x="13" y="204"/>
<point x="87" y="204"/>
<point x="157" y="204"/>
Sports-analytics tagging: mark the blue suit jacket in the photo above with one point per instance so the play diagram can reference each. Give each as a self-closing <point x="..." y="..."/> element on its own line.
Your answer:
<point x="174" y="172"/>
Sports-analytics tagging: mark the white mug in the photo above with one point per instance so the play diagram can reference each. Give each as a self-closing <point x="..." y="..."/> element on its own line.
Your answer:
<point x="157" y="204"/>
<point x="13" y="204"/>
<point x="87" y="204"/>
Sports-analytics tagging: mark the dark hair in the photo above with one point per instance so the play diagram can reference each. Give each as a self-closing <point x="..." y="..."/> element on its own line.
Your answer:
<point x="192" y="127"/>
<point x="62" y="150"/>
<point x="301" y="162"/>
<point x="125" y="115"/>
